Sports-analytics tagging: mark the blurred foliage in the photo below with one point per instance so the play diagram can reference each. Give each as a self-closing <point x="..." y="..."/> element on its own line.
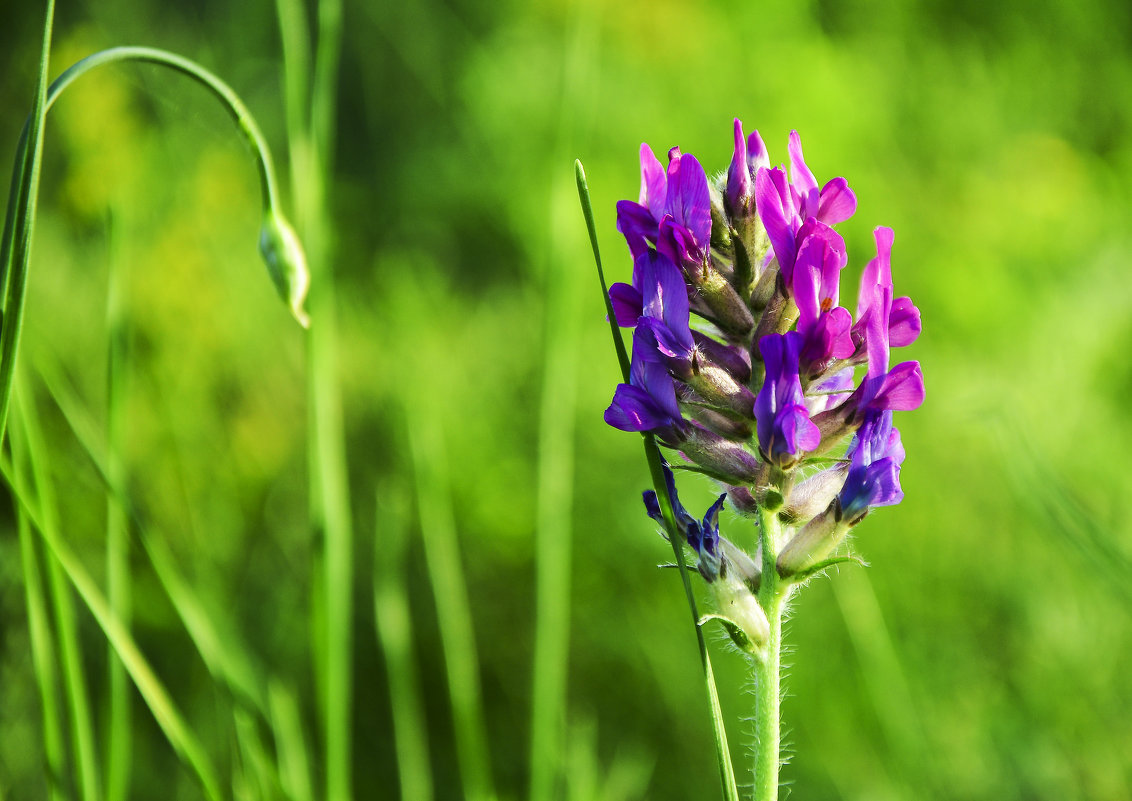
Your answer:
<point x="983" y="655"/>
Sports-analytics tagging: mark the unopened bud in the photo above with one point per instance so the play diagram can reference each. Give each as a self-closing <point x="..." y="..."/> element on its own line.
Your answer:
<point x="281" y="250"/>
<point x="721" y="458"/>
<point x="739" y="607"/>
<point x="812" y="496"/>
<point x="814" y="542"/>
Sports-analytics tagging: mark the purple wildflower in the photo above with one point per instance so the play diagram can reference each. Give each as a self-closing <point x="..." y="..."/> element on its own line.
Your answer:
<point x="648" y="401"/>
<point x="748" y="158"/>
<point x="703" y="535"/>
<point x="783" y="424"/>
<point x="904" y="317"/>
<point x="681" y="194"/>
<point x="874" y="468"/>
<point x="785" y="206"/>
<point x="823" y="324"/>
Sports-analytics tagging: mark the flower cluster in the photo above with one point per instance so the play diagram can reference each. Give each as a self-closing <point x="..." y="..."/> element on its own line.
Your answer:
<point x="774" y="376"/>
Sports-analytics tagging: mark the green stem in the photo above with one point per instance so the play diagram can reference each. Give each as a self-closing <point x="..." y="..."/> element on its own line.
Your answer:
<point x="767" y="668"/>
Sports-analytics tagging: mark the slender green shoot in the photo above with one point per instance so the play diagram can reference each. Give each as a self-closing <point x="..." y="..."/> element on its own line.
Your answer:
<point x="149" y="686"/>
<point x="43" y="658"/>
<point x="30" y="447"/>
<point x="393" y="619"/>
<point x="311" y="133"/>
<point x="653" y="456"/>
<point x="19" y="223"/>
<point x="442" y="554"/>
<point x="118" y="747"/>
<point x="290" y="745"/>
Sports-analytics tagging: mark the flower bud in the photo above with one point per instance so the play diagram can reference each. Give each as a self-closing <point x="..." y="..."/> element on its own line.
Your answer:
<point x="721" y="458"/>
<point x="814" y="542"/>
<point x="739" y="607"/>
<point x="812" y="496"/>
<point x="283" y="253"/>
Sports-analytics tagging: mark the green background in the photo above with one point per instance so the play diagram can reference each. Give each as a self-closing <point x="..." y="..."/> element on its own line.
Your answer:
<point x="983" y="655"/>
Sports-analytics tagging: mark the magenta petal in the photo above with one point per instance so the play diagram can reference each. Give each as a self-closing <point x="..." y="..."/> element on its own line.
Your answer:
<point x="802" y="179"/>
<point x="903" y="323"/>
<point x="840" y="322"/>
<point x="902" y="389"/>
<point x="837" y="202"/>
<point x="654" y="182"/>
<point x="757" y="155"/>
<point x="738" y="176"/>
<point x="626" y="302"/>
<point x="689" y="201"/>
<point x="798" y="431"/>
<point x="776" y="218"/>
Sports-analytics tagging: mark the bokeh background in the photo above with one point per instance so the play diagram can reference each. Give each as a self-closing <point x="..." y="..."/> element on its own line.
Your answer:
<point x="985" y="653"/>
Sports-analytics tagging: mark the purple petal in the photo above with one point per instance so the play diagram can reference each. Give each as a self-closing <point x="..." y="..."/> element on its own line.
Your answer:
<point x="654" y="183"/>
<point x="798" y="432"/>
<point x="903" y="323"/>
<point x="776" y="214"/>
<point x="802" y="179"/>
<point x="633" y="410"/>
<point x="637" y="224"/>
<point x="626" y="302"/>
<point x="689" y="201"/>
<point x="837" y="202"/>
<point x="757" y="156"/>
<point x="738" y="175"/>
<point x="902" y="389"/>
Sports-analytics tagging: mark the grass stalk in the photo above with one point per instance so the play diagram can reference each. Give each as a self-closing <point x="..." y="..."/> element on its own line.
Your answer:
<point x="30" y="447"/>
<point x="72" y="571"/>
<point x="311" y="132"/>
<point x="43" y="659"/>
<point x="442" y="554"/>
<point x="393" y="620"/>
<point x="118" y="747"/>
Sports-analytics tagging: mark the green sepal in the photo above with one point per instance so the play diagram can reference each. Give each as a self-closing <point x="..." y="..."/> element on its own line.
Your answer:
<point x="735" y="631"/>
<point x="810" y="572"/>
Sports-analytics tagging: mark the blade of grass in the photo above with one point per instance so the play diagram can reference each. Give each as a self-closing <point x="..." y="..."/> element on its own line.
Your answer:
<point x="653" y="456"/>
<point x="394" y="624"/>
<point x="150" y="687"/>
<point x="15" y="246"/>
<point x="43" y="658"/>
<point x="118" y="748"/>
<point x="311" y="142"/>
<point x="224" y="654"/>
<point x="442" y="555"/>
<point x="290" y="745"/>
<point x="29" y="446"/>
<point x="555" y="490"/>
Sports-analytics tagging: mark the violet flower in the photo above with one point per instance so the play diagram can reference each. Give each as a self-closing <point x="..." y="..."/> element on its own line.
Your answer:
<point x="823" y="324"/>
<point x="681" y="194"/>
<point x="784" y="206"/>
<point x="703" y="535"/>
<point x="784" y="427"/>
<point x="904" y="317"/>
<point x="648" y="401"/>
<point x="874" y="468"/>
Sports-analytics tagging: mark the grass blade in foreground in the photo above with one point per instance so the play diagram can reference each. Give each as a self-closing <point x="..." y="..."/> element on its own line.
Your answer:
<point x="150" y="687"/>
<point x="652" y="454"/>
